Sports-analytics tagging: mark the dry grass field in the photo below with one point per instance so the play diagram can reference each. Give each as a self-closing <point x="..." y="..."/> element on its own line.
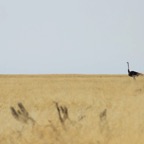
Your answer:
<point x="71" y="109"/>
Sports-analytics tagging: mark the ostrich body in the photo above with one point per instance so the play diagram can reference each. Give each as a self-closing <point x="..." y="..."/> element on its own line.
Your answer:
<point x="132" y="73"/>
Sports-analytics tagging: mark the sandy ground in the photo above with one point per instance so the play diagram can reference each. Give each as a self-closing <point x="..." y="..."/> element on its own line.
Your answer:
<point x="71" y="109"/>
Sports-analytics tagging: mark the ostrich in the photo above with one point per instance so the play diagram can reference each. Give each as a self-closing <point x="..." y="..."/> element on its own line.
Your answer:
<point x="133" y="73"/>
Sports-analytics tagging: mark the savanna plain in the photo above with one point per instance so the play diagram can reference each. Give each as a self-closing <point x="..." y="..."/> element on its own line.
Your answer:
<point x="71" y="109"/>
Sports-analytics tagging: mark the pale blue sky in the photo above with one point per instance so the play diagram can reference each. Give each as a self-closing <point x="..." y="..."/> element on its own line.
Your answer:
<point x="71" y="36"/>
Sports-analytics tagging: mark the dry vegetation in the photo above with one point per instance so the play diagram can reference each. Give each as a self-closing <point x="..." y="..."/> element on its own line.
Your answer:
<point x="71" y="109"/>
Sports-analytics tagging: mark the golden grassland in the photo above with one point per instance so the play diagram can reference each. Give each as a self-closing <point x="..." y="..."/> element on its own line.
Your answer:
<point x="71" y="109"/>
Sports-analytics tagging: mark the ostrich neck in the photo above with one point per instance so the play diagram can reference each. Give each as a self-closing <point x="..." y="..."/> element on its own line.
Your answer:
<point x="128" y="67"/>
